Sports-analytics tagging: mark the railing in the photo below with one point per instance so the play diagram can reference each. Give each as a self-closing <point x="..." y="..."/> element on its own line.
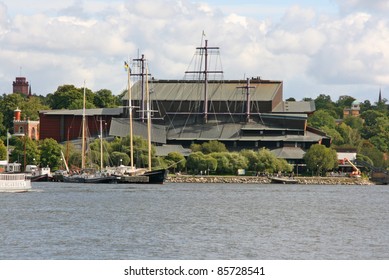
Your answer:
<point x="12" y="177"/>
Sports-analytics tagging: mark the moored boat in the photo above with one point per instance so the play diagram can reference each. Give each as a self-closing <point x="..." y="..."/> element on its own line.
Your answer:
<point x="283" y="180"/>
<point x="14" y="182"/>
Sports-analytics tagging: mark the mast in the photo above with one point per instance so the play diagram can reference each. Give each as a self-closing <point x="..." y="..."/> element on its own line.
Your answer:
<point x="148" y="111"/>
<point x="83" y="132"/>
<point x="101" y="144"/>
<point x="142" y="75"/>
<point x="247" y="87"/>
<point x="204" y="51"/>
<point x="130" y="115"/>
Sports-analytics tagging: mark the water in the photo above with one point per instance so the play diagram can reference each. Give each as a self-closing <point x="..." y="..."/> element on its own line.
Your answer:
<point x="195" y="221"/>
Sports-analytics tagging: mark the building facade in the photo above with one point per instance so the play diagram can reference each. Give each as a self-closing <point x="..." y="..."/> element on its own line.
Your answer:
<point x="21" y="85"/>
<point x="25" y="127"/>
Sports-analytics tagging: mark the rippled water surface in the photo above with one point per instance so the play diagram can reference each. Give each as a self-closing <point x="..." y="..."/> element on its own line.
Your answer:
<point x="195" y="221"/>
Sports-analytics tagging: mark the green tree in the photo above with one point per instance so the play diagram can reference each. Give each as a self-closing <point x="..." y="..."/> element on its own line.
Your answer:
<point x="70" y="97"/>
<point x="95" y="152"/>
<point x="31" y="106"/>
<point x="50" y="153"/>
<point x="3" y="150"/>
<point x="336" y="137"/>
<point x="213" y="146"/>
<point x="223" y="163"/>
<point x="105" y="99"/>
<point x="175" y="161"/>
<point x="252" y="158"/>
<point x="267" y="161"/>
<point x="237" y="161"/>
<point x="8" y="104"/>
<point x="320" y="159"/>
<point x="322" y="118"/>
<point x="194" y="162"/>
<point x="373" y="153"/>
<point x="354" y="122"/>
<point x="25" y="148"/>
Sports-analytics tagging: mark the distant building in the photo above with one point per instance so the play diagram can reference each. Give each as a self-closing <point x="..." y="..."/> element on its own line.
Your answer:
<point x="21" y="85"/>
<point x="354" y="111"/>
<point x="242" y="114"/>
<point x="25" y="127"/>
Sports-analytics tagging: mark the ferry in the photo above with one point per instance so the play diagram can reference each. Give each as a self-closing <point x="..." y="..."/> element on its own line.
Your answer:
<point x="14" y="182"/>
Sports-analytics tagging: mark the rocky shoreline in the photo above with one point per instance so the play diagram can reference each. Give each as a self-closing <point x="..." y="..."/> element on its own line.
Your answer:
<point x="265" y="180"/>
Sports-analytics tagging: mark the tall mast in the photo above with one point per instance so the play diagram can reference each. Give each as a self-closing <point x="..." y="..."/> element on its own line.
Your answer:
<point x="130" y="116"/>
<point x="101" y="144"/>
<point x="142" y="75"/>
<point x="204" y="51"/>
<point x="148" y="111"/>
<point x="247" y="87"/>
<point x="83" y="132"/>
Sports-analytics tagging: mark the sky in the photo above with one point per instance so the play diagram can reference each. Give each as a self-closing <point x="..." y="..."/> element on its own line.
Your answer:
<point x="331" y="47"/>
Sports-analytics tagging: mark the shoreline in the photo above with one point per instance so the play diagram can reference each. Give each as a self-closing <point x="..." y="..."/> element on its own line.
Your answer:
<point x="265" y="180"/>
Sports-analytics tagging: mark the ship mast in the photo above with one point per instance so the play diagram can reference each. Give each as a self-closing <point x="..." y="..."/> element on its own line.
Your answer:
<point x="204" y="52"/>
<point x="130" y="107"/>
<point x="142" y="75"/>
<point x="247" y="88"/>
<point x="148" y="111"/>
<point x="83" y="132"/>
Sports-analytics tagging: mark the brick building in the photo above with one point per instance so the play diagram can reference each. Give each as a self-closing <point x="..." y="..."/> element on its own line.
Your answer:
<point x="21" y="85"/>
<point x="25" y="127"/>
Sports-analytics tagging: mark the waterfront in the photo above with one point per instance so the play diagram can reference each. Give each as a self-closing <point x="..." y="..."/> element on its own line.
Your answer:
<point x="195" y="221"/>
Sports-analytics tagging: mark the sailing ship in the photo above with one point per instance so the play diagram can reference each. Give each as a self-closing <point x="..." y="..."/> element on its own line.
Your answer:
<point x="131" y="174"/>
<point x="88" y="175"/>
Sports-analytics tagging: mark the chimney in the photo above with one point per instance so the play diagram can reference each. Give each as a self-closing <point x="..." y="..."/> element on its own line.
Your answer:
<point x="17" y="114"/>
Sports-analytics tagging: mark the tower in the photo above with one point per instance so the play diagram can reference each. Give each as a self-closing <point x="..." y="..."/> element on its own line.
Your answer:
<point x="25" y="127"/>
<point x="20" y="85"/>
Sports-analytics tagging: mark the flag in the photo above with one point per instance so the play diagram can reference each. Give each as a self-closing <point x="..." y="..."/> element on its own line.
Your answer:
<point x="9" y="135"/>
<point x="204" y="34"/>
<point x="125" y="66"/>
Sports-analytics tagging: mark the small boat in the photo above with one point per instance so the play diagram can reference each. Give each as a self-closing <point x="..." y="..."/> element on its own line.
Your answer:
<point x="14" y="182"/>
<point x="40" y="175"/>
<point x="283" y="180"/>
<point x="90" y="176"/>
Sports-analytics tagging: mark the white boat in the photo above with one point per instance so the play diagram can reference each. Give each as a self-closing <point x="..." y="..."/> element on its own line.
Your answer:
<point x="14" y="182"/>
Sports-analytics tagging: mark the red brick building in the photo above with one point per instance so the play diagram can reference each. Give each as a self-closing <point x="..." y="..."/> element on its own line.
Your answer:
<point x="63" y="125"/>
<point x="20" y="85"/>
<point x="25" y="127"/>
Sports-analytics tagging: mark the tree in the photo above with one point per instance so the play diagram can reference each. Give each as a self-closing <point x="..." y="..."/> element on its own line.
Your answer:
<point x="70" y="97"/>
<point x="31" y="106"/>
<point x="194" y="162"/>
<point x="213" y="146"/>
<point x="223" y="163"/>
<point x="25" y="148"/>
<point x="354" y="122"/>
<point x="267" y="161"/>
<point x="175" y="160"/>
<point x="321" y="118"/>
<point x="50" y="153"/>
<point x="104" y="99"/>
<point x="3" y="151"/>
<point x="320" y="159"/>
<point x="9" y="103"/>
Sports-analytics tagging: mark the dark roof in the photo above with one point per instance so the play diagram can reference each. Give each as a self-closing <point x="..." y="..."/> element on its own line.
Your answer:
<point x="231" y="132"/>
<point x="121" y="127"/>
<point x="88" y="112"/>
<point x="184" y="90"/>
<point x="289" y="153"/>
<point x="295" y="106"/>
<point x="164" y="150"/>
